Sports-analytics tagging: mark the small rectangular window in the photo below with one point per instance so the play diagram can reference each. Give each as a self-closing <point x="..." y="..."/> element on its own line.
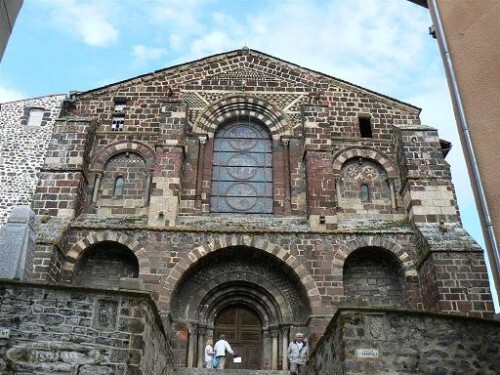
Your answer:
<point x="118" y="120"/>
<point x="365" y="127"/>
<point x="120" y="107"/>
<point x="117" y="123"/>
<point x="35" y="117"/>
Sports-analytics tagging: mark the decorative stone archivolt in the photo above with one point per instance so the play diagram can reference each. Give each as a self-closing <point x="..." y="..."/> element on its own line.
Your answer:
<point x="222" y="241"/>
<point x="265" y="300"/>
<point x="113" y="149"/>
<point x="93" y="238"/>
<point x="342" y="156"/>
<point x="243" y="106"/>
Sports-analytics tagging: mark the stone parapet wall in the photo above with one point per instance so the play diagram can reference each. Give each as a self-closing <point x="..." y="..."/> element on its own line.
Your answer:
<point x="406" y="342"/>
<point x="67" y="330"/>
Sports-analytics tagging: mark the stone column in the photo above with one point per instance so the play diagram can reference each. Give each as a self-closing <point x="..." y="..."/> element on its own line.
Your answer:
<point x="149" y="177"/>
<point x="285" y="331"/>
<point x="17" y="244"/>
<point x="393" y="193"/>
<point x="97" y="183"/>
<point x="266" y="349"/>
<point x="287" y="206"/>
<point x="274" y="348"/>
<point x="199" y="177"/>
<point x="192" y="345"/>
<point x="337" y="191"/>
<point x="202" y="331"/>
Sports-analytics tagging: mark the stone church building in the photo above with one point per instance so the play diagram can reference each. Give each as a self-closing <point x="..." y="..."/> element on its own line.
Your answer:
<point x="253" y="197"/>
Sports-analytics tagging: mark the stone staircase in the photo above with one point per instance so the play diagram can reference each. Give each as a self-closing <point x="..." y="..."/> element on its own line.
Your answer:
<point x="203" y="371"/>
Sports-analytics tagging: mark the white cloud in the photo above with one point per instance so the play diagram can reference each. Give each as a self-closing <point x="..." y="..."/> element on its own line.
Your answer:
<point x="91" y="21"/>
<point x="9" y="95"/>
<point x="211" y="42"/>
<point x="142" y="53"/>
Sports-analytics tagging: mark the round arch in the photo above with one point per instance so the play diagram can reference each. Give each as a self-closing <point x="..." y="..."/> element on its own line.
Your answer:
<point x="347" y="248"/>
<point x="386" y="280"/>
<point x="113" y="149"/>
<point x="243" y="106"/>
<point x="225" y="276"/>
<point x="247" y="294"/>
<point x="232" y="272"/>
<point x="77" y="250"/>
<point x="172" y="280"/>
<point x="344" y="155"/>
<point x="404" y="257"/>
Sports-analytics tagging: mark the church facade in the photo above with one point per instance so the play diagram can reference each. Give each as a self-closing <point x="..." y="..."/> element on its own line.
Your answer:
<point x="253" y="197"/>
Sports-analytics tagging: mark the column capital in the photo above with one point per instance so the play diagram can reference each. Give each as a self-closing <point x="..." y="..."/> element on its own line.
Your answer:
<point x="203" y="139"/>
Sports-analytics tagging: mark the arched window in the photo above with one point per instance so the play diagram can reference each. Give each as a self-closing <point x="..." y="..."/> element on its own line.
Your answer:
<point x="242" y="169"/>
<point x="364" y="193"/>
<point x="118" y="188"/>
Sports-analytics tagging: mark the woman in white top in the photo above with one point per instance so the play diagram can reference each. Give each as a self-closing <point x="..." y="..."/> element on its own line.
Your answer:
<point x="209" y="353"/>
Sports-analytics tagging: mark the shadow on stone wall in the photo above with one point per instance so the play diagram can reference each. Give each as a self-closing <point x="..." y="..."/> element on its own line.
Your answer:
<point x="365" y="341"/>
<point x="71" y="330"/>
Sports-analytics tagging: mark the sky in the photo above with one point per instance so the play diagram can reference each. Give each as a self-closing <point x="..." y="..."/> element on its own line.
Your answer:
<point x="383" y="45"/>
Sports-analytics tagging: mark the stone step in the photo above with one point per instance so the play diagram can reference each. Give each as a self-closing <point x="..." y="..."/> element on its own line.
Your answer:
<point x="203" y="371"/>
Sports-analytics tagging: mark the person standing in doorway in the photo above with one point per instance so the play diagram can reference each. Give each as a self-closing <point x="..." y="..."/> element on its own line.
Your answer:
<point x="297" y="354"/>
<point x="221" y="349"/>
<point x="209" y="353"/>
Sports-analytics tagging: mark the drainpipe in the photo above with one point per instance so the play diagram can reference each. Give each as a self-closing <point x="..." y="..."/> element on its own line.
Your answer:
<point x="494" y="255"/>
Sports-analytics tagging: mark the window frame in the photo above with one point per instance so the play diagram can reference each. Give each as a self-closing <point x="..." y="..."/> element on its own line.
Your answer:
<point x="35" y="120"/>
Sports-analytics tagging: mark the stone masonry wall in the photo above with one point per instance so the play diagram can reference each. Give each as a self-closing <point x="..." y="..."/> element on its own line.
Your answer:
<point x="23" y="148"/>
<point x="65" y="330"/>
<point x="336" y="190"/>
<point x="183" y="106"/>
<point x="403" y="342"/>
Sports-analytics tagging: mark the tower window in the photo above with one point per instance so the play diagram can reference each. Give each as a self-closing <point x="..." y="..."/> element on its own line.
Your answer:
<point x="118" y="189"/>
<point x="35" y="117"/>
<point x="365" y="127"/>
<point x="364" y="193"/>
<point x="118" y="120"/>
<point x="117" y="123"/>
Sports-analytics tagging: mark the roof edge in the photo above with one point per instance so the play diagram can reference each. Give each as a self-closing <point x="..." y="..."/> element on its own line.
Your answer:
<point x="238" y="51"/>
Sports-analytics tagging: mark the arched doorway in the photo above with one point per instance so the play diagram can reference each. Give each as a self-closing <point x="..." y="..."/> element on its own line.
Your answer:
<point x="252" y="294"/>
<point x="243" y="330"/>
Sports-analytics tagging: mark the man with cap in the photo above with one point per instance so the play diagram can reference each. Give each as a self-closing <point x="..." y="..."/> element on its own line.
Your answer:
<point x="297" y="354"/>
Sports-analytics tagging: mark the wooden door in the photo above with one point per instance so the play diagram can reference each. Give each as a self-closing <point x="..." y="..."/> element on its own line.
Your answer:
<point x="243" y="331"/>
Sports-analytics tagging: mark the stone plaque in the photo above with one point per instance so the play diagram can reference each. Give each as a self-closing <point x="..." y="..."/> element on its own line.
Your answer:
<point x="4" y="333"/>
<point x="367" y="353"/>
<point x="375" y="327"/>
<point x="106" y="314"/>
<point x="51" y="357"/>
<point x="17" y="244"/>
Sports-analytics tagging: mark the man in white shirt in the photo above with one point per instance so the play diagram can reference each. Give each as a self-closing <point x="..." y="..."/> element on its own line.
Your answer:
<point x="221" y="349"/>
<point x="297" y="354"/>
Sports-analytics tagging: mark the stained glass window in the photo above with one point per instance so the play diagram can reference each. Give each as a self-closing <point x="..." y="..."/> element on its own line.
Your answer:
<point x="242" y="169"/>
